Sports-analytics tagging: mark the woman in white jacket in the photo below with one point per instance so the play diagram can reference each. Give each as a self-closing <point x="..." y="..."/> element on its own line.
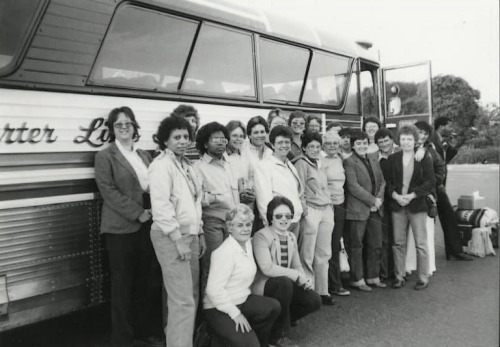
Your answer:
<point x="176" y="232"/>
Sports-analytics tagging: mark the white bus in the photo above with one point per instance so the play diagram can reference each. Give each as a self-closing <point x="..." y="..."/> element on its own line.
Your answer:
<point x="64" y="64"/>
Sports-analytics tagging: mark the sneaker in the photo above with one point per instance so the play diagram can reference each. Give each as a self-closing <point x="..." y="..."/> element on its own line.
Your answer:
<point x="421" y="285"/>
<point x="283" y="342"/>
<point x="363" y="287"/>
<point x="377" y="285"/>
<point x="341" y="292"/>
<point x="327" y="300"/>
<point x="398" y="284"/>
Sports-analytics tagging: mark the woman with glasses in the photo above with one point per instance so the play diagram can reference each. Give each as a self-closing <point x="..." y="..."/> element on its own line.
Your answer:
<point x="177" y="233"/>
<point x="220" y="192"/>
<point x="234" y="314"/>
<point x="313" y="124"/>
<point x="333" y="167"/>
<point x="121" y="174"/>
<point x="276" y="175"/>
<point x="297" y="123"/>
<point x="315" y="235"/>
<point x="280" y="274"/>
<point x="239" y="166"/>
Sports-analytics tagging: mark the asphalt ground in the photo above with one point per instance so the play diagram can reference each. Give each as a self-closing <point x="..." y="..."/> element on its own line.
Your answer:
<point x="459" y="308"/>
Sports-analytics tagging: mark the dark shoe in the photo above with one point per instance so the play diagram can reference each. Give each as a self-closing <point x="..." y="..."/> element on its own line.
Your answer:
<point x="398" y="284"/>
<point x="421" y="285"/>
<point x="151" y="341"/>
<point x="283" y="342"/>
<point x="459" y="256"/>
<point x="377" y="285"/>
<point x="341" y="292"/>
<point x="327" y="300"/>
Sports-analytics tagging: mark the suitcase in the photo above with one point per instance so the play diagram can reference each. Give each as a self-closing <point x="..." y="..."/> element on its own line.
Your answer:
<point x="465" y="234"/>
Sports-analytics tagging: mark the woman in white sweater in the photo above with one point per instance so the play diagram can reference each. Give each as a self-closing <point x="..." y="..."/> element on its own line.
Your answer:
<point x="235" y="315"/>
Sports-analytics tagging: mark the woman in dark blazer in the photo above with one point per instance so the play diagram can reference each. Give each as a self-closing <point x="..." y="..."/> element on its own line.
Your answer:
<point x="121" y="174"/>
<point x="409" y="182"/>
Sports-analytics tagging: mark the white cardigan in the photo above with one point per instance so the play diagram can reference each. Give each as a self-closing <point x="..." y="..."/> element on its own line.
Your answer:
<point x="273" y="178"/>
<point x="175" y="211"/>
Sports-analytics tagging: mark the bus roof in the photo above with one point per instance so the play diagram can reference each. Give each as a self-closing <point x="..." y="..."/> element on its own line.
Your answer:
<point x="269" y="23"/>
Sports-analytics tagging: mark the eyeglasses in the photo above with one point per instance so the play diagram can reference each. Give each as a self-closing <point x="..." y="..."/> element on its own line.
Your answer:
<point x="219" y="140"/>
<point x="123" y="125"/>
<point x="242" y="225"/>
<point x="313" y="147"/>
<point x="301" y="124"/>
<point x="288" y="216"/>
<point x="330" y="144"/>
<point x="283" y="143"/>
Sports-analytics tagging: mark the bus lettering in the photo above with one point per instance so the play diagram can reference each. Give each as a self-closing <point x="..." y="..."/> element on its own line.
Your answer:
<point x="25" y="134"/>
<point x="93" y="128"/>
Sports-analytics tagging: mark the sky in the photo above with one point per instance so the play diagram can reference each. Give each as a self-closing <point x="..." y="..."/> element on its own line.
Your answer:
<point x="459" y="37"/>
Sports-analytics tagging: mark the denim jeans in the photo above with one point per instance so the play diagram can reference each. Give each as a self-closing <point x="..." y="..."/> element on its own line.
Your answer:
<point x="181" y="280"/>
<point x="315" y="249"/>
<point x="365" y="234"/>
<point x="400" y="221"/>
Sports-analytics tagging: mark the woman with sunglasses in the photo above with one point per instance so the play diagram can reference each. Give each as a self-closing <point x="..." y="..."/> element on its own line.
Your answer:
<point x="315" y="236"/>
<point x="297" y="123"/>
<point x="280" y="274"/>
<point x="220" y="191"/>
<point x="121" y="174"/>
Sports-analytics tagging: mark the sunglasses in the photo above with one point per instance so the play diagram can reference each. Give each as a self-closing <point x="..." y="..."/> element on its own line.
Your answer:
<point x="288" y="216"/>
<point x="219" y="140"/>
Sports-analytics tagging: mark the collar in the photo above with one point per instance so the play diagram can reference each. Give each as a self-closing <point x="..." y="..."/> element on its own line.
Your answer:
<point x="123" y="149"/>
<point x="209" y="159"/>
<point x="279" y="162"/>
<point x="316" y="164"/>
<point x="230" y="150"/>
<point x="173" y="156"/>
<point x="236" y="245"/>
<point x="360" y="157"/>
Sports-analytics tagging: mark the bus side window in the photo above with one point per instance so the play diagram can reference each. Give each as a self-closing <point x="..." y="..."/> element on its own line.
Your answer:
<point x="144" y="49"/>
<point x="222" y="63"/>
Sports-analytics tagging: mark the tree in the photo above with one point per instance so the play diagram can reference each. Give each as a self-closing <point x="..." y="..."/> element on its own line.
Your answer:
<point x="454" y="98"/>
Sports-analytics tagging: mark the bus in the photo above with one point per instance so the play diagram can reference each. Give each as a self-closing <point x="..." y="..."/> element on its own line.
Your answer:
<point x="64" y="64"/>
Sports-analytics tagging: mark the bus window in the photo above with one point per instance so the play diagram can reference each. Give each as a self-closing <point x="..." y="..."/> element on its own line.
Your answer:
<point x="352" y="105"/>
<point x="368" y="94"/>
<point x="326" y="80"/>
<point x="283" y="70"/>
<point x="144" y="49"/>
<point x="15" y="19"/>
<point x="222" y="63"/>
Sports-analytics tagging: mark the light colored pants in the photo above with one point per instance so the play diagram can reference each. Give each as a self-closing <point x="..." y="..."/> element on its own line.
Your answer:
<point x="315" y="249"/>
<point x="181" y="281"/>
<point x="400" y="221"/>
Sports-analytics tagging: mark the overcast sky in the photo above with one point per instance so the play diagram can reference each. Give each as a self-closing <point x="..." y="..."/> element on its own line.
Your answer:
<point x="460" y="37"/>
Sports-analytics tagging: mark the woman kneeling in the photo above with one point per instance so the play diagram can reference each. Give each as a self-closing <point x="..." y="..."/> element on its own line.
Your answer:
<point x="228" y="300"/>
<point x="280" y="274"/>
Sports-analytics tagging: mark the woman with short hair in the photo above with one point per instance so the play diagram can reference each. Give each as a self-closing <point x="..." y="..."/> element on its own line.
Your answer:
<point x="280" y="274"/>
<point x="297" y="123"/>
<point x="177" y="233"/>
<point x="232" y="312"/>
<point x="409" y="182"/>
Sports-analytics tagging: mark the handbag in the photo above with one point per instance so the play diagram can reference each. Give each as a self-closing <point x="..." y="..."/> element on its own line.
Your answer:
<point x="343" y="259"/>
<point x="432" y="210"/>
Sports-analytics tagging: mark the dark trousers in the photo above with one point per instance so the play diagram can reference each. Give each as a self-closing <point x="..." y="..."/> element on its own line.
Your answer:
<point x="387" y="258"/>
<point x="448" y="222"/>
<point x="365" y="234"/>
<point x="260" y="311"/>
<point x="334" y="279"/>
<point x="295" y="303"/>
<point x="131" y="263"/>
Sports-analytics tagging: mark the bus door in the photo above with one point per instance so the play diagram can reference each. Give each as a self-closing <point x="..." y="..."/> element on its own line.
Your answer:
<point x="406" y="94"/>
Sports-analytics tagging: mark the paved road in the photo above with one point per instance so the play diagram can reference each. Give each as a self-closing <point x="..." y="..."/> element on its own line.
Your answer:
<point x="459" y="308"/>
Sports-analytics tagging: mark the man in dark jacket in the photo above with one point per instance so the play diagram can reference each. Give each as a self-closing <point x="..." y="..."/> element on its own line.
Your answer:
<point x="443" y="152"/>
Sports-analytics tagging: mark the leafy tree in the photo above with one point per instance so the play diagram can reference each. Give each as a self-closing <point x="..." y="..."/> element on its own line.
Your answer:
<point x="454" y="98"/>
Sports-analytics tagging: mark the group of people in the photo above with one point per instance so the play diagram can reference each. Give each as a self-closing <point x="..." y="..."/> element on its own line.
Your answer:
<point x="248" y="220"/>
